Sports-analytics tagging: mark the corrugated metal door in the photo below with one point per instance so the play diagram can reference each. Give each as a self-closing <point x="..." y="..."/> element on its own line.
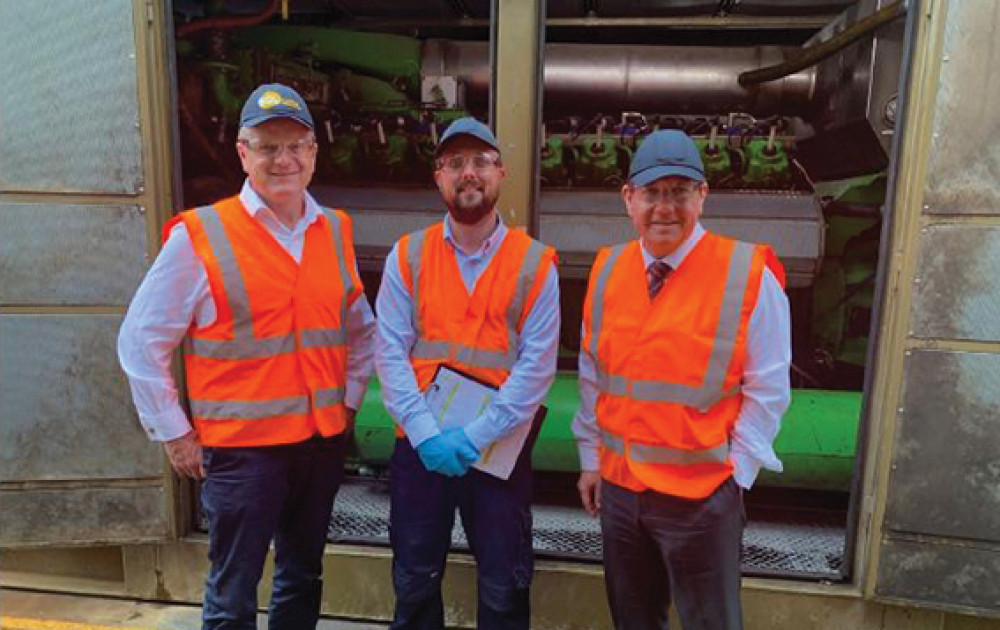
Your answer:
<point x="75" y="466"/>
<point x="940" y="538"/>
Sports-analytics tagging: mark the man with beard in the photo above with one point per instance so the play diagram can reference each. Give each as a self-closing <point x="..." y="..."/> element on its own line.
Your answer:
<point x="479" y="297"/>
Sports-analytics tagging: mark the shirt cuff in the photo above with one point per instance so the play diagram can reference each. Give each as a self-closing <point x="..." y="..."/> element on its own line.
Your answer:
<point x="167" y="425"/>
<point x="589" y="460"/>
<point x="746" y="467"/>
<point x="354" y="394"/>
<point x="481" y="432"/>
<point x="421" y="428"/>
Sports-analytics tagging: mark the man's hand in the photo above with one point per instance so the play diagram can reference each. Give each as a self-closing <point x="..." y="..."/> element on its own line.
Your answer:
<point x="438" y="455"/>
<point x="185" y="456"/>
<point x="589" y="486"/>
<point x="464" y="449"/>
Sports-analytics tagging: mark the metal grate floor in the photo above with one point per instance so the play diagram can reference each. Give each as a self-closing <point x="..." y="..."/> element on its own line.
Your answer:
<point x="797" y="545"/>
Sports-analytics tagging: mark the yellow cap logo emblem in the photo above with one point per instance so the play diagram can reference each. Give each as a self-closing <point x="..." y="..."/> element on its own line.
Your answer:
<point x="272" y="99"/>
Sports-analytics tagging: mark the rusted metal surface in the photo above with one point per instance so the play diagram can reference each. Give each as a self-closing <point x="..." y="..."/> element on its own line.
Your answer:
<point x="944" y="574"/>
<point x="91" y="516"/>
<point x="67" y="409"/>
<point x="70" y="254"/>
<point x="946" y="477"/>
<point x="958" y="284"/>
<point x="964" y="168"/>
<point x="69" y="111"/>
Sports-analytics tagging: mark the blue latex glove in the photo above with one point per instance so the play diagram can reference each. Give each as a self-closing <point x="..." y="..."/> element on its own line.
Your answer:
<point x="438" y="455"/>
<point x="465" y="450"/>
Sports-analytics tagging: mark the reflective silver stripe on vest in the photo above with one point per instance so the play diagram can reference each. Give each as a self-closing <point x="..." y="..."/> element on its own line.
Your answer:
<point x="711" y="391"/>
<point x="613" y="443"/>
<point x="446" y="350"/>
<point x="339" y="252"/>
<point x="232" y="279"/>
<point x="597" y="305"/>
<point x="328" y="397"/>
<point x="244" y="344"/>
<point x="649" y="454"/>
<point x="323" y="338"/>
<point x="414" y="257"/>
<point x="249" y="409"/>
<point x="258" y="349"/>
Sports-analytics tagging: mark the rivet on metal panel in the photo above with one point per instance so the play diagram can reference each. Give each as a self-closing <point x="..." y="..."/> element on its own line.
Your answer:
<point x="899" y="410"/>
<point x="945" y="59"/>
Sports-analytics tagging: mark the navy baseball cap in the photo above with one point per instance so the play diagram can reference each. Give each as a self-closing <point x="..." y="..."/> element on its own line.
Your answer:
<point x="665" y="153"/>
<point x="467" y="126"/>
<point x="274" y="100"/>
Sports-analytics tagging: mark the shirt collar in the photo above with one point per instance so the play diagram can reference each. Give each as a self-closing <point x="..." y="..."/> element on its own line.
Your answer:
<point x="254" y="204"/>
<point x="676" y="257"/>
<point x="495" y="236"/>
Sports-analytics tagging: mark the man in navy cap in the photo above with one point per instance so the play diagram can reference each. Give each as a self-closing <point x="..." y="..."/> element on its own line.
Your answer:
<point x="470" y="294"/>
<point x="262" y="288"/>
<point x="684" y="365"/>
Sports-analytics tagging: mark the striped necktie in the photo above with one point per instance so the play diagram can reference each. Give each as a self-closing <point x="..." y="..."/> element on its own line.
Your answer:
<point x="656" y="273"/>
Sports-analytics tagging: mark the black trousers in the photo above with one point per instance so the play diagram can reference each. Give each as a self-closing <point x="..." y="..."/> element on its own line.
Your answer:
<point x="253" y="496"/>
<point x="496" y="515"/>
<point x="659" y="547"/>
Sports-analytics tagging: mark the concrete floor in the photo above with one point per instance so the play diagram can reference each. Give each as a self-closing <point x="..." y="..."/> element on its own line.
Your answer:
<point x="30" y="610"/>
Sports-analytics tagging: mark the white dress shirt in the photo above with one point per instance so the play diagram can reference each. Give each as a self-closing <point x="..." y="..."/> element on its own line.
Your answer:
<point x="175" y="293"/>
<point x="766" y="387"/>
<point x="529" y="379"/>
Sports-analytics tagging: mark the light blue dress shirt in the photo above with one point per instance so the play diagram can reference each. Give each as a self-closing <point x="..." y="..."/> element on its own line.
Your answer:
<point x="529" y="380"/>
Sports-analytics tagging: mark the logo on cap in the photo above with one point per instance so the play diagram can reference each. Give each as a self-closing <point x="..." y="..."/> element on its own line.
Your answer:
<point x="271" y="99"/>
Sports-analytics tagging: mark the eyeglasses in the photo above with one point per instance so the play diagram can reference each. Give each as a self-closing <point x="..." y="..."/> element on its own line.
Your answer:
<point x="677" y="195"/>
<point x="272" y="150"/>
<point x="456" y="163"/>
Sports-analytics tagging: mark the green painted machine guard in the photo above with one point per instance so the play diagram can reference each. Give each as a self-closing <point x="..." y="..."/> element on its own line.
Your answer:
<point x="816" y="443"/>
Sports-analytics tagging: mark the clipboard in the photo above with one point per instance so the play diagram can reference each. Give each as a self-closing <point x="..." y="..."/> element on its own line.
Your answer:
<point x="456" y="399"/>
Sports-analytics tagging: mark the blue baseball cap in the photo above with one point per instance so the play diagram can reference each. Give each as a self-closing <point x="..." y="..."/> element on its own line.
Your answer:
<point x="467" y="126"/>
<point x="274" y="100"/>
<point x="665" y="153"/>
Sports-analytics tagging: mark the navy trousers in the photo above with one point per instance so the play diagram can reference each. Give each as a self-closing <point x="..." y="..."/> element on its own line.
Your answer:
<point x="659" y="547"/>
<point x="496" y="515"/>
<point x="253" y="496"/>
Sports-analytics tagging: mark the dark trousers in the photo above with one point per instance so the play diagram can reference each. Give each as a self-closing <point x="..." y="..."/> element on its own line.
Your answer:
<point x="659" y="547"/>
<point x="496" y="515"/>
<point x="254" y="495"/>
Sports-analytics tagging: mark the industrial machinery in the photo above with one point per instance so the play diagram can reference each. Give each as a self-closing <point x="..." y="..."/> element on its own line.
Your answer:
<point x="857" y="137"/>
<point x="383" y="91"/>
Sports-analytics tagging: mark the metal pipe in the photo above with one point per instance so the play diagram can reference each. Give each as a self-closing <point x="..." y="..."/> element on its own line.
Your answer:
<point x="581" y="78"/>
<point x="814" y="54"/>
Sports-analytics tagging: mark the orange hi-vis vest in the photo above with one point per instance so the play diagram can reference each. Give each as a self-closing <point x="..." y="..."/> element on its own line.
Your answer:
<point x="669" y="369"/>
<point x="271" y="369"/>
<point x="477" y="334"/>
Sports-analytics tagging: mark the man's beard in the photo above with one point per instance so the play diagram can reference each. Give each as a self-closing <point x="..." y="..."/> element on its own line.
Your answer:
<point x="470" y="213"/>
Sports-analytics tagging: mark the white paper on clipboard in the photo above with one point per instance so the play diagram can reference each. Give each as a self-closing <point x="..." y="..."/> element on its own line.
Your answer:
<point x="456" y="400"/>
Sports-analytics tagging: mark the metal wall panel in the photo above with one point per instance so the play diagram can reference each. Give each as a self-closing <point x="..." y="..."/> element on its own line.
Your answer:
<point x="964" y="167"/>
<point x="67" y="410"/>
<point x="957" y="294"/>
<point x="69" y="112"/>
<point x="946" y="476"/>
<point x="82" y="516"/>
<point x="70" y="255"/>
<point x="950" y="575"/>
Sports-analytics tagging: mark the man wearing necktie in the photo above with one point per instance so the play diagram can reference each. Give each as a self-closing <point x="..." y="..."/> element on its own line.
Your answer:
<point x="684" y="362"/>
